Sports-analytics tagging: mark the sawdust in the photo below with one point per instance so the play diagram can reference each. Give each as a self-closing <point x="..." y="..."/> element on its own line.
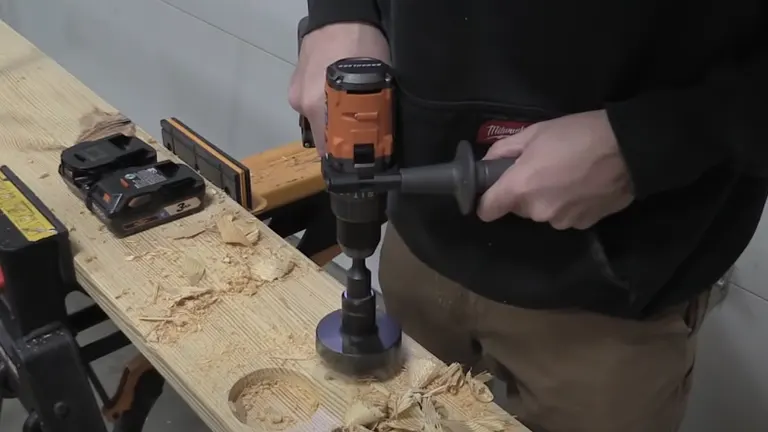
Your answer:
<point x="100" y="124"/>
<point x="295" y="347"/>
<point x="421" y="404"/>
<point x="260" y="404"/>
<point x="177" y="312"/>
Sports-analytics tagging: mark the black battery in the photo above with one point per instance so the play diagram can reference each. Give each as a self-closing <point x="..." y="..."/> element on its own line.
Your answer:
<point x="87" y="162"/>
<point x="135" y="199"/>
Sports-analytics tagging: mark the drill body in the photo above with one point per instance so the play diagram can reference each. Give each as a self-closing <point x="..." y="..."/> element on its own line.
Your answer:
<point x="359" y="143"/>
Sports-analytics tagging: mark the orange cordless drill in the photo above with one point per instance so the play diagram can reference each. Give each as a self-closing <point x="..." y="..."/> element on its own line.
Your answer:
<point x="355" y="339"/>
<point x="359" y="168"/>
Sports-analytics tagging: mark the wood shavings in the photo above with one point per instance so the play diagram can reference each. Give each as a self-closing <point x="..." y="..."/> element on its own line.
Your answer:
<point x="299" y="347"/>
<point x="401" y="405"/>
<point x="231" y="233"/>
<point x="191" y="294"/>
<point x="363" y="414"/>
<point x="478" y="387"/>
<point x="260" y="404"/>
<point x="187" y="232"/>
<point x="421" y="372"/>
<point x="274" y="268"/>
<point x="433" y="422"/>
<point x="253" y="235"/>
<point x="243" y="282"/>
<point x="156" y="294"/>
<point x="412" y="424"/>
<point x="169" y="328"/>
<point x="420" y="407"/>
<point x="452" y="378"/>
<point x="193" y="270"/>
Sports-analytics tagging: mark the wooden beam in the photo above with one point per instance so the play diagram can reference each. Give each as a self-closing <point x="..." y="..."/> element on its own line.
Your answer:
<point x="238" y="344"/>
<point x="283" y="175"/>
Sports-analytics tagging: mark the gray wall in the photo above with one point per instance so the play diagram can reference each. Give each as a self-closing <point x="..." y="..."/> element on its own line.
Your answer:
<point x="223" y="67"/>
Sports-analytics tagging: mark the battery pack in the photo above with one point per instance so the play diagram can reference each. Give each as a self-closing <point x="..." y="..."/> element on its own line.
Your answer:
<point x="135" y="199"/>
<point x="87" y="162"/>
<point x="121" y="182"/>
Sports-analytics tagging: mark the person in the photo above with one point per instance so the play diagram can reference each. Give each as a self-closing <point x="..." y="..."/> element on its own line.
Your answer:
<point x="640" y="177"/>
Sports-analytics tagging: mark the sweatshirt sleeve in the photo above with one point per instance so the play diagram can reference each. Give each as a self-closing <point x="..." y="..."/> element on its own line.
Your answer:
<point x="670" y="138"/>
<point x="324" y="12"/>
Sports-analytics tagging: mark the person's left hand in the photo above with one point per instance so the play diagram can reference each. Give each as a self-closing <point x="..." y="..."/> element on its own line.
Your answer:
<point x="569" y="172"/>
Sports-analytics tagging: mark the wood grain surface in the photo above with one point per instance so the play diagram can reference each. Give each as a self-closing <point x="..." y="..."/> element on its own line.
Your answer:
<point x="231" y="327"/>
<point x="284" y="174"/>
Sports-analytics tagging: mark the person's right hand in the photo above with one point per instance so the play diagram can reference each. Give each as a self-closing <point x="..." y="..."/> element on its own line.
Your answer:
<point x="319" y="49"/>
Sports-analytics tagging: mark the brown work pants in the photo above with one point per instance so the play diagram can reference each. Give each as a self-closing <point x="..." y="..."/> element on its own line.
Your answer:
<point x="566" y="371"/>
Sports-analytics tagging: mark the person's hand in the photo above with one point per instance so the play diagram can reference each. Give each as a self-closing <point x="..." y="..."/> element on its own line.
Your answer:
<point x="319" y="49"/>
<point x="569" y="173"/>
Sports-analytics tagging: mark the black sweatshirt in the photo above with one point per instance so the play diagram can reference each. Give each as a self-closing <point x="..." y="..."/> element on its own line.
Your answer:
<point x="685" y="86"/>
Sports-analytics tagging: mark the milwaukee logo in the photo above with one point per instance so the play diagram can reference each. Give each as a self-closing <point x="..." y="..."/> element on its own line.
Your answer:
<point x="494" y="130"/>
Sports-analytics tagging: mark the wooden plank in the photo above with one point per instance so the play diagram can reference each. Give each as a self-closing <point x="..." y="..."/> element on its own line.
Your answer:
<point x="283" y="175"/>
<point x="236" y="330"/>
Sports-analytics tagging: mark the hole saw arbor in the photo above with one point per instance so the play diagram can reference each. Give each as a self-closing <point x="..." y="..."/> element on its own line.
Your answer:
<point x="226" y="324"/>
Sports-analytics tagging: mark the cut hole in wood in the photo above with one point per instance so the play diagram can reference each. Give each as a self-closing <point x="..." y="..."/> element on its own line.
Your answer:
<point x="274" y="400"/>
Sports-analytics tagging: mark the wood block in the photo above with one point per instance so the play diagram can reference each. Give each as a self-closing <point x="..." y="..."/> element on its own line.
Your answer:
<point x="283" y="175"/>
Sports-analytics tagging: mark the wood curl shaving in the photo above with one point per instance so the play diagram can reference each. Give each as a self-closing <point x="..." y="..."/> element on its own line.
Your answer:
<point x="232" y="234"/>
<point x="479" y="388"/>
<point x="193" y="270"/>
<point x="187" y="232"/>
<point x="418" y="409"/>
<point x="275" y="268"/>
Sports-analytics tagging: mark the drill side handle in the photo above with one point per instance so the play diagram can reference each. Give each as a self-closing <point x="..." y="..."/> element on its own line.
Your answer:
<point x="490" y="171"/>
<point x="306" y="130"/>
<point x="464" y="178"/>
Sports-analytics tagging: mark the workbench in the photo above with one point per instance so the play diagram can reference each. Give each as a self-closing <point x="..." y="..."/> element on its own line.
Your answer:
<point x="237" y="339"/>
